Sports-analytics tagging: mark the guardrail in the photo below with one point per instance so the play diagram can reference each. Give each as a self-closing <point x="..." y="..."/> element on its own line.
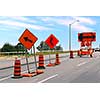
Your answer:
<point x="11" y="53"/>
<point x="32" y="62"/>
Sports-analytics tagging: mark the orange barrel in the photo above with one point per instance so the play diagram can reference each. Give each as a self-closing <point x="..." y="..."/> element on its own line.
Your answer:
<point x="71" y="54"/>
<point x="57" y="59"/>
<point x="41" y="62"/>
<point x="17" y="69"/>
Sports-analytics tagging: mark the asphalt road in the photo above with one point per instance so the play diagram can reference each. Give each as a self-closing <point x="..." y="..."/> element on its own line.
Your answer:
<point x="76" y="70"/>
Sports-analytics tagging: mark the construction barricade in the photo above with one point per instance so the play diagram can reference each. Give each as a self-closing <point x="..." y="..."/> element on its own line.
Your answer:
<point x="39" y="69"/>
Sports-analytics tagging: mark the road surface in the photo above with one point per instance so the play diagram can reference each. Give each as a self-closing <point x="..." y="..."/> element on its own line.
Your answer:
<point x="76" y="70"/>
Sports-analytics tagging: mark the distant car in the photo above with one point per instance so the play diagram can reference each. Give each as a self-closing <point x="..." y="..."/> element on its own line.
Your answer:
<point x="97" y="49"/>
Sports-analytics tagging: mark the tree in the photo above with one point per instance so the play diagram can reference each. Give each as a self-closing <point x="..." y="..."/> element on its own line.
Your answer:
<point x="19" y="47"/>
<point x="58" y="48"/>
<point x="10" y="48"/>
<point x="7" y="48"/>
<point x="44" y="46"/>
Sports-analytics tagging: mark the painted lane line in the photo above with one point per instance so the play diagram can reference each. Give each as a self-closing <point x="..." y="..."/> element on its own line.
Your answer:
<point x="5" y="78"/>
<point x="48" y="78"/>
<point x="81" y="63"/>
<point x="2" y="79"/>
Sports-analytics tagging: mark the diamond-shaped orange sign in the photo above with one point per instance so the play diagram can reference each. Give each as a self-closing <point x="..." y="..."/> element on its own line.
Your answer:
<point x="51" y="41"/>
<point x="28" y="39"/>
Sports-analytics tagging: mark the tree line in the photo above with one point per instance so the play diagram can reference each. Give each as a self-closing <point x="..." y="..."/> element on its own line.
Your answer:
<point x="7" y="47"/>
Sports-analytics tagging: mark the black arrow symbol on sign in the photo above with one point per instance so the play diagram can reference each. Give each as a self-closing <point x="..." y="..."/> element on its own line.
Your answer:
<point x="27" y="39"/>
<point x="51" y="41"/>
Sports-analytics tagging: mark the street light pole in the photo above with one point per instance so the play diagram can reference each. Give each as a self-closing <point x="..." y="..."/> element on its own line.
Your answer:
<point x="70" y="35"/>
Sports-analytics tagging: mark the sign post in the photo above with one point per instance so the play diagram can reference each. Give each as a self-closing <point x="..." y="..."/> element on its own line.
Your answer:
<point x="51" y="41"/>
<point x="35" y="58"/>
<point x="28" y="40"/>
<point x="27" y="61"/>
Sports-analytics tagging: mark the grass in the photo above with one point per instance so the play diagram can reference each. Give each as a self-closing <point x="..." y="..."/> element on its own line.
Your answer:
<point x="37" y="53"/>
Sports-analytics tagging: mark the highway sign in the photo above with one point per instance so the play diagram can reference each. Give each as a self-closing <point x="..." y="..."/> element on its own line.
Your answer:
<point x="87" y="36"/>
<point x="51" y="41"/>
<point x="28" y="39"/>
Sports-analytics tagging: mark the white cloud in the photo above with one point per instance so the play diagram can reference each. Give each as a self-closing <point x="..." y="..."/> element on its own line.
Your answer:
<point x="51" y="21"/>
<point x="21" y="18"/>
<point x="85" y="20"/>
<point x="18" y="18"/>
<point x="59" y="21"/>
<point x="19" y="24"/>
<point x="68" y="20"/>
<point x="50" y="24"/>
<point x="46" y="18"/>
<point x="81" y="28"/>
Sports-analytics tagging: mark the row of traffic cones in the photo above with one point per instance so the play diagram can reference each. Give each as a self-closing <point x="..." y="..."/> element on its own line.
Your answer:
<point x="39" y="70"/>
<point x="57" y="62"/>
<point x="17" y="71"/>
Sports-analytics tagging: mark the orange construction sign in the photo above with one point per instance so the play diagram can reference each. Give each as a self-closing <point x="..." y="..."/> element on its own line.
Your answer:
<point x="28" y="39"/>
<point x="51" y="41"/>
<point x="87" y="36"/>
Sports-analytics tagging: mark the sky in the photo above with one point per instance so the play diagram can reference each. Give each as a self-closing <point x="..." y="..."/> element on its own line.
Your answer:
<point x="12" y="27"/>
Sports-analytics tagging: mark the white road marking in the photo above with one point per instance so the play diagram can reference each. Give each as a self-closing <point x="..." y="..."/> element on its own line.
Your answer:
<point x="5" y="78"/>
<point x="2" y="79"/>
<point x="48" y="78"/>
<point x="81" y="63"/>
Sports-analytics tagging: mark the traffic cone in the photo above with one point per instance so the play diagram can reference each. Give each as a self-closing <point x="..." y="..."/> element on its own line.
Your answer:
<point x="78" y="53"/>
<point x="17" y="69"/>
<point x="57" y="59"/>
<point x="71" y="54"/>
<point x="41" y="62"/>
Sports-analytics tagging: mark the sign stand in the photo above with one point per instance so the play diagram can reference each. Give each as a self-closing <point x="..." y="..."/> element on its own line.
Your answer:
<point x="35" y="57"/>
<point x="27" y="61"/>
<point x="50" y="64"/>
<point x="49" y="58"/>
<point x="51" y="41"/>
<point x="28" y="40"/>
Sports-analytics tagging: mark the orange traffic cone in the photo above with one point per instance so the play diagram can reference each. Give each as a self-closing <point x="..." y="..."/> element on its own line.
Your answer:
<point x="57" y="59"/>
<point x="78" y="53"/>
<point x="17" y="69"/>
<point x="71" y="54"/>
<point x="41" y="62"/>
